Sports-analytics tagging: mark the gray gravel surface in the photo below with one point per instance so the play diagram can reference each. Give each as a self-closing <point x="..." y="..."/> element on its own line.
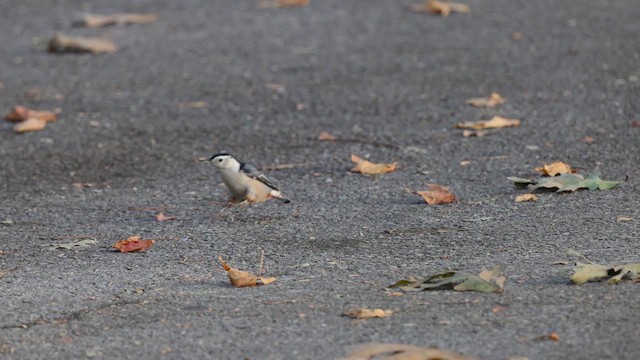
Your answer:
<point x="369" y="70"/>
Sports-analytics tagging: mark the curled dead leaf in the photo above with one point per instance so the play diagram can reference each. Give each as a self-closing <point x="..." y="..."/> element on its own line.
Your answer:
<point x="495" y="122"/>
<point x="623" y="218"/>
<point x="132" y="244"/>
<point x="487" y="102"/>
<point x="325" y="136"/>
<point x="365" y="313"/>
<point x="526" y="197"/>
<point x="399" y="352"/>
<point x="77" y="44"/>
<point x="555" y="168"/>
<point x="444" y="8"/>
<point x="95" y="21"/>
<point x="22" y="113"/>
<point x="436" y="194"/>
<point x="274" y="4"/>
<point x="470" y="133"/>
<point x="368" y="168"/>
<point x="240" y="278"/>
<point x="31" y="124"/>
<point x="162" y="217"/>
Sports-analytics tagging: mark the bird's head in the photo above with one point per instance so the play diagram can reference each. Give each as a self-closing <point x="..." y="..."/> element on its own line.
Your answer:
<point x="224" y="161"/>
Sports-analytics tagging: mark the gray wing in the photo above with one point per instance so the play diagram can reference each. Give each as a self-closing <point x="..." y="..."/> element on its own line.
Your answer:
<point x="254" y="173"/>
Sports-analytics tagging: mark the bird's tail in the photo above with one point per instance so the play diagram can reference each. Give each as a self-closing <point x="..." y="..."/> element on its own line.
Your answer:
<point x="278" y="195"/>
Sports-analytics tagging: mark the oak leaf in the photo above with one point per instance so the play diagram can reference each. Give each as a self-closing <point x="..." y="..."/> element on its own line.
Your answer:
<point x="240" y="278"/>
<point x="380" y="351"/>
<point x="487" y="102"/>
<point x="77" y="44"/>
<point x="555" y="168"/>
<point x="95" y="21"/>
<point x="495" y="122"/>
<point x="436" y="194"/>
<point x="365" y="313"/>
<point x="22" y="113"/>
<point x="486" y="281"/>
<point x="368" y="168"/>
<point x="132" y="244"/>
<point x="444" y="8"/>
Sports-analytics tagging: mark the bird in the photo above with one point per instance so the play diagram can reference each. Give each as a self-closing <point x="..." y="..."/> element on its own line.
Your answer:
<point x="246" y="183"/>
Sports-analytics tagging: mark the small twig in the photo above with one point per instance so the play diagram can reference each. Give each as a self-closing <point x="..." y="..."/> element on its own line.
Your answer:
<point x="261" y="262"/>
<point x="282" y="166"/>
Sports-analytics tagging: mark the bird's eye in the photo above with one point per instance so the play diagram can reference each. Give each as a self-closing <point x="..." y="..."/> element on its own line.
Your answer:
<point x="219" y="160"/>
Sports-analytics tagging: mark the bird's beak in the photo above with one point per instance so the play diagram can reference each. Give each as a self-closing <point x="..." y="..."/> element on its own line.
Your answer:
<point x="211" y="158"/>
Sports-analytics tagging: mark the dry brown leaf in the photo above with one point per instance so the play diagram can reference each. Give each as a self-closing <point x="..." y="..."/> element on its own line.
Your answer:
<point x="488" y="102"/>
<point x="478" y="133"/>
<point x="22" y="113"/>
<point x="31" y="124"/>
<point x="325" y="136"/>
<point x="635" y="123"/>
<point x="551" y="337"/>
<point x="365" y="313"/>
<point x="4" y="273"/>
<point x="95" y="21"/>
<point x="240" y="278"/>
<point x="516" y="36"/>
<point x="273" y="4"/>
<point x="465" y="162"/>
<point x="400" y="352"/>
<point x="623" y="218"/>
<point x="162" y="217"/>
<point x="555" y="168"/>
<point x="436" y="194"/>
<point x="77" y="44"/>
<point x="132" y="244"/>
<point x="497" y="309"/>
<point x="526" y="197"/>
<point x="368" y="168"/>
<point x="587" y="139"/>
<point x="444" y="8"/>
<point x="495" y="123"/>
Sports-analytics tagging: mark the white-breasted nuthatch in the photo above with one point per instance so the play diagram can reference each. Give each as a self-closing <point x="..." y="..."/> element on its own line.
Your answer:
<point x="246" y="183"/>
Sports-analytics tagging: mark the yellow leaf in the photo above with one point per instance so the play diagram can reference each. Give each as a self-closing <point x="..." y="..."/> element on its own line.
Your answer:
<point x="495" y="123"/>
<point x="489" y="102"/>
<point x="240" y="278"/>
<point x="555" y="168"/>
<point x="369" y="168"/>
<point x="526" y="197"/>
<point x="365" y="313"/>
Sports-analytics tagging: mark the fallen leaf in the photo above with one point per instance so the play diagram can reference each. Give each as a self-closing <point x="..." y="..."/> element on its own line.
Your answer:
<point x="526" y="197"/>
<point x="635" y="123"/>
<point x="486" y="281"/>
<point x="76" y="245"/>
<point x="76" y="44"/>
<point x="162" y="217"/>
<point x="133" y="244"/>
<point x="555" y="168"/>
<point x="440" y="7"/>
<point x="279" y="88"/>
<point x="31" y="124"/>
<point x="477" y="133"/>
<point x="587" y="139"/>
<point x="436" y="194"/>
<point x="22" y="113"/>
<point x="516" y="36"/>
<point x="596" y="272"/>
<point x="497" y="309"/>
<point x="193" y="104"/>
<point x="95" y="21"/>
<point x="4" y="273"/>
<point x="487" y="102"/>
<point x="465" y="162"/>
<point x="365" y="313"/>
<point x="368" y="168"/>
<point x="551" y="337"/>
<point x="494" y="123"/>
<point x="379" y="351"/>
<point x="240" y="278"/>
<point x="325" y="136"/>
<point x="272" y="4"/>
<point x="623" y="218"/>
<point x="566" y="182"/>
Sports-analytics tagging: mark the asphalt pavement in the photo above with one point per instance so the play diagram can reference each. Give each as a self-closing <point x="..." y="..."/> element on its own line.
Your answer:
<point x="210" y="76"/>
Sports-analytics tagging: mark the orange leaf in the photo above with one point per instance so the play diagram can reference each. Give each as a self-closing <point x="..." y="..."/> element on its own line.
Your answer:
<point x="555" y="168"/>
<point x="368" y="313"/>
<point x="325" y="136"/>
<point x="436" y="194"/>
<point x="368" y="168"/>
<point x="22" y="113"/>
<point x="162" y="217"/>
<point x="526" y="197"/>
<point x="133" y="244"/>
<point x="31" y="124"/>
<point x="267" y="4"/>
<point x="495" y="123"/>
<point x="440" y="7"/>
<point x="240" y="278"/>
<point x="489" y="102"/>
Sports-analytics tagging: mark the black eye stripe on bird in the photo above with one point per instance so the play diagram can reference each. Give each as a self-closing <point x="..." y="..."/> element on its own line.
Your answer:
<point x="246" y="183"/>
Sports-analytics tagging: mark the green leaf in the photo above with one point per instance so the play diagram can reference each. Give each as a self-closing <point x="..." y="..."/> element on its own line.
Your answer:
<point x="567" y="182"/>
<point x="486" y="281"/>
